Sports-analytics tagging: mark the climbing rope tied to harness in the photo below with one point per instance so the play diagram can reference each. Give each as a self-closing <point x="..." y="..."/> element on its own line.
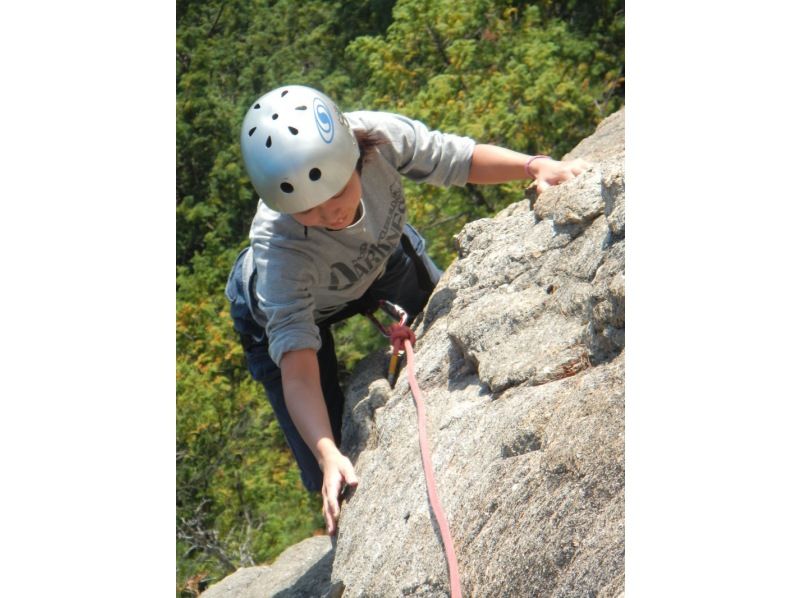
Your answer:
<point x="403" y="338"/>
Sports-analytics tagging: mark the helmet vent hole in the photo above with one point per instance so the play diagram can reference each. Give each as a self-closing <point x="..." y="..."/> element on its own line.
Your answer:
<point x="257" y="106"/>
<point x="314" y="174"/>
<point x="269" y="141"/>
<point x="285" y="91"/>
<point x="301" y="108"/>
<point x="275" y="116"/>
<point x="253" y="130"/>
<point x="293" y="130"/>
<point x="286" y="187"/>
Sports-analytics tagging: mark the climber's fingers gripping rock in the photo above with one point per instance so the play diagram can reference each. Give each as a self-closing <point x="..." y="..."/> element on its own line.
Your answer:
<point x="554" y="172"/>
<point x="337" y="471"/>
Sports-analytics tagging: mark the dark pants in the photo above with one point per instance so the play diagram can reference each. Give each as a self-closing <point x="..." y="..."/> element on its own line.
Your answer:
<point x="405" y="282"/>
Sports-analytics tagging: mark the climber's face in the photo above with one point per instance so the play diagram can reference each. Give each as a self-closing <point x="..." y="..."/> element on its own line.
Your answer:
<point x="338" y="212"/>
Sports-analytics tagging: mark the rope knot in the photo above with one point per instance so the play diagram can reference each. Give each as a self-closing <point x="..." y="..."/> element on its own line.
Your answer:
<point x="398" y="334"/>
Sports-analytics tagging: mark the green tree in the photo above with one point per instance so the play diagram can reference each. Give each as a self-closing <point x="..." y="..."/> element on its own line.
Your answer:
<point x="229" y="53"/>
<point x="239" y="497"/>
<point x="511" y="73"/>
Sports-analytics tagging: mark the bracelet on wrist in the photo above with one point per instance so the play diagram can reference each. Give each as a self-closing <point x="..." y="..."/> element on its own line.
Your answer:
<point x="528" y="164"/>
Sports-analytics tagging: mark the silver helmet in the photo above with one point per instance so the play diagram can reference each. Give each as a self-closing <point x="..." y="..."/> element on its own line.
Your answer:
<point x="298" y="148"/>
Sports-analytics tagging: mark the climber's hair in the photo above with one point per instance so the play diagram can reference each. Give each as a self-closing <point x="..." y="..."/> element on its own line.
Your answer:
<point x="368" y="142"/>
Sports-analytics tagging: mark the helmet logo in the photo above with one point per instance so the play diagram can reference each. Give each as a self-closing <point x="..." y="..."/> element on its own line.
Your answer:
<point x="324" y="120"/>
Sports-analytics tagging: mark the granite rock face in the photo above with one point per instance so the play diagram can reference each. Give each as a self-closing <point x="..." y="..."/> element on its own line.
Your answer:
<point x="520" y="355"/>
<point x="301" y="570"/>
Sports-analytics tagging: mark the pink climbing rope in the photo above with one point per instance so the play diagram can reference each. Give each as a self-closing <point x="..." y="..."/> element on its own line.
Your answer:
<point x="401" y="335"/>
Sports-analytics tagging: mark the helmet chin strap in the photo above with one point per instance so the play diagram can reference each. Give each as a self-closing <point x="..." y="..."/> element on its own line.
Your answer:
<point x="359" y="212"/>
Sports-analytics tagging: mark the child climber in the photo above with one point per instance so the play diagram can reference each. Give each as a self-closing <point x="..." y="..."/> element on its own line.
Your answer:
<point x="329" y="240"/>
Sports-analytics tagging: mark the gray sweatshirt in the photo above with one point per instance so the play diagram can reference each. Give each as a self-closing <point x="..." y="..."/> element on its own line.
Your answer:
<point x="303" y="280"/>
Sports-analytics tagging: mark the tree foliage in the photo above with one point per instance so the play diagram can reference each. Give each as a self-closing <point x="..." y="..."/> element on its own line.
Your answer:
<point x="533" y="76"/>
<point x="239" y="499"/>
<point x="511" y="73"/>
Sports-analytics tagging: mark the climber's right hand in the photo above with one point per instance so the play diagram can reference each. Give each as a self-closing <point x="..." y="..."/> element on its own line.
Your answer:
<point x="337" y="473"/>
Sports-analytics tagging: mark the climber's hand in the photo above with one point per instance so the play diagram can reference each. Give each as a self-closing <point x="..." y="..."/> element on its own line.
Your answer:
<point x="550" y="172"/>
<point x="337" y="471"/>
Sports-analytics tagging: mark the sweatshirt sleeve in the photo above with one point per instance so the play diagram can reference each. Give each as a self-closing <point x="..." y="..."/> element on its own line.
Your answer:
<point x="417" y="152"/>
<point x="284" y="296"/>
